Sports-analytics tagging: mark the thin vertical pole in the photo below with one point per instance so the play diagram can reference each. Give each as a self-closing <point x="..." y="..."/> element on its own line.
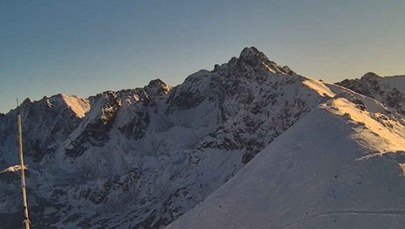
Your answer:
<point x="24" y="191"/>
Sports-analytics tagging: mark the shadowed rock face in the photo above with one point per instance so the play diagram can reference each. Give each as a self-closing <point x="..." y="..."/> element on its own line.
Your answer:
<point x="96" y="130"/>
<point x="136" y="129"/>
<point x="157" y="88"/>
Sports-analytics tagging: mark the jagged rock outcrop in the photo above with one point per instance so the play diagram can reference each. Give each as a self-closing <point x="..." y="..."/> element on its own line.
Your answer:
<point x="46" y="123"/>
<point x="383" y="89"/>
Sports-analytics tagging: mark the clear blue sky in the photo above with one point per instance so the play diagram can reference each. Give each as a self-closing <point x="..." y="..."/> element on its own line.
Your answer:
<point x="85" y="47"/>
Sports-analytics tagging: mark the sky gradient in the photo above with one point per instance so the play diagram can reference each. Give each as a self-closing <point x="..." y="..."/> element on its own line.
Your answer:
<point x="86" y="47"/>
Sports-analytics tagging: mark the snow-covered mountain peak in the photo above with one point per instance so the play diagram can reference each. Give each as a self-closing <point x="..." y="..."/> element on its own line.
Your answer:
<point x="252" y="61"/>
<point x="157" y="87"/>
<point x="252" y="54"/>
<point x="140" y="158"/>
<point x="78" y="105"/>
<point x="370" y="76"/>
<point x="257" y="59"/>
<point x="390" y="90"/>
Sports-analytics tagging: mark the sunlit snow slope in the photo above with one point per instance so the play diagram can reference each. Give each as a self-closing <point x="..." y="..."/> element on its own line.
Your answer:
<point x="389" y="90"/>
<point x="338" y="167"/>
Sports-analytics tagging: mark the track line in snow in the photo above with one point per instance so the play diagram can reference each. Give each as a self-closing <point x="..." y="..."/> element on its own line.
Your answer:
<point x="351" y="212"/>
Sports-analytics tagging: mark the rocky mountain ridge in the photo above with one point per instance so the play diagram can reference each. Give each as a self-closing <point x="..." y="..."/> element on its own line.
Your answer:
<point x="140" y="158"/>
<point x="389" y="90"/>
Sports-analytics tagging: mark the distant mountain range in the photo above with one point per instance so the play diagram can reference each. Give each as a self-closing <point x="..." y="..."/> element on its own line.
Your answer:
<point x="250" y="144"/>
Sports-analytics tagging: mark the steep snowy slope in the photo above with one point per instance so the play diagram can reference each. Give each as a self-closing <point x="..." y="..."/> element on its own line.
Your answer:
<point x="341" y="166"/>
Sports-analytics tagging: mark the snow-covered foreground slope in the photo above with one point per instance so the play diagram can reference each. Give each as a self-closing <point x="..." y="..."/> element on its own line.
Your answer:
<point x="338" y="167"/>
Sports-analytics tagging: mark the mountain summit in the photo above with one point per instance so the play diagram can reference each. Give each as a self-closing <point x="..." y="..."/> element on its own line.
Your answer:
<point x="254" y="57"/>
<point x="248" y="144"/>
<point x="253" y="60"/>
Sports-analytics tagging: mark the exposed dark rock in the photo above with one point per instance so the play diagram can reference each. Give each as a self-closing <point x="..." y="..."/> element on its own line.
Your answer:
<point x="137" y="127"/>
<point x="373" y="85"/>
<point x="96" y="132"/>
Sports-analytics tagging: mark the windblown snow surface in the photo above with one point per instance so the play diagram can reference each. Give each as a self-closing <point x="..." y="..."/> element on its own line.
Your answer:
<point x="250" y="144"/>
